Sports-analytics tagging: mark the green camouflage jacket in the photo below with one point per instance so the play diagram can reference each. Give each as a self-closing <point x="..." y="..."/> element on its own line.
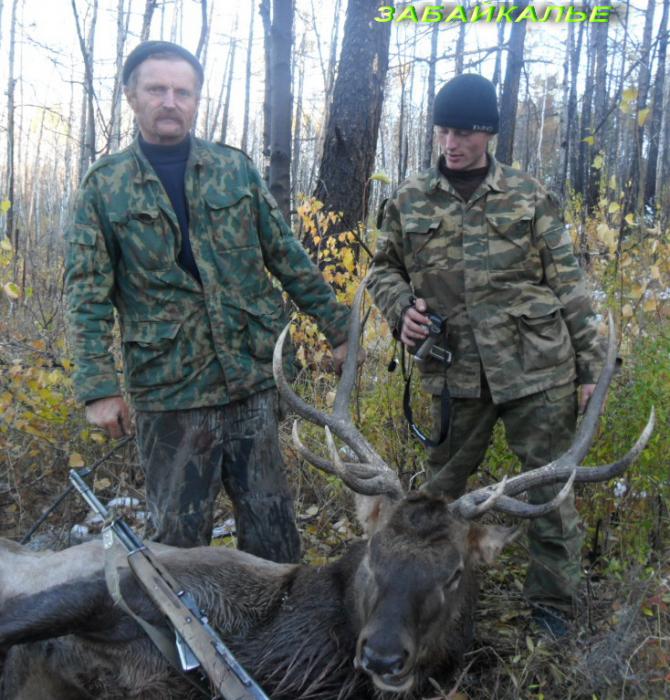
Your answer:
<point x="184" y="345"/>
<point x="502" y="270"/>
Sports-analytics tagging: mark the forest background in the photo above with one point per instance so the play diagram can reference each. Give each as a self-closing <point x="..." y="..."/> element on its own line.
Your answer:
<point x="335" y="107"/>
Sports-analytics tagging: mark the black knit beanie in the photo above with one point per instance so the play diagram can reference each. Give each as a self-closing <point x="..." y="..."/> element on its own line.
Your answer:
<point x="148" y="48"/>
<point x="467" y="101"/>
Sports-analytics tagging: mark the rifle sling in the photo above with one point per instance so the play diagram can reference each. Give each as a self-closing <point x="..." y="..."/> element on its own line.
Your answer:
<point x="161" y="640"/>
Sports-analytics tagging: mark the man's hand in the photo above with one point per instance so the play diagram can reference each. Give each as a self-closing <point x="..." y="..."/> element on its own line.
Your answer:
<point x="585" y="392"/>
<point x="340" y="355"/>
<point x="414" y="323"/>
<point x="112" y="415"/>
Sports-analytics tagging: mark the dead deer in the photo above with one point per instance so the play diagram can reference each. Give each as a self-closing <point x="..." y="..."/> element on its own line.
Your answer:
<point x="393" y="611"/>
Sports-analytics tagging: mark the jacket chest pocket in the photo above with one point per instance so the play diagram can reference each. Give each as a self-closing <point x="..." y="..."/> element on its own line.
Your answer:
<point x="424" y="245"/>
<point x="145" y="238"/>
<point x="509" y="241"/>
<point x="233" y="224"/>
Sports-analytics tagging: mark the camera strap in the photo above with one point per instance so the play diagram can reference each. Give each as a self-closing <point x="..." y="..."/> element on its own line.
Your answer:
<point x="407" y="407"/>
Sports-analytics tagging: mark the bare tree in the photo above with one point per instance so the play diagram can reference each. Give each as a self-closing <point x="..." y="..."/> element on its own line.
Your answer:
<point x="11" y="230"/>
<point x="657" y="108"/>
<point x="228" y="81"/>
<point x="149" y="7"/>
<point x="114" y="136"/>
<point x="430" y="98"/>
<point x="353" y="125"/>
<point x="279" y="181"/>
<point x="266" y="16"/>
<point x="247" y="81"/>
<point x="510" y="93"/>
<point x="88" y="151"/>
<point x="204" y="29"/>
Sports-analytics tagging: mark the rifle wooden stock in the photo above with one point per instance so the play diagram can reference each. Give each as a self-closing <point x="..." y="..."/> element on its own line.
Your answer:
<point x="164" y="591"/>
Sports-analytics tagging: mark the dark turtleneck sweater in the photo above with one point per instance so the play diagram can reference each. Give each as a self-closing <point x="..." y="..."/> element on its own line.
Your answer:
<point x="169" y="162"/>
<point x="465" y="182"/>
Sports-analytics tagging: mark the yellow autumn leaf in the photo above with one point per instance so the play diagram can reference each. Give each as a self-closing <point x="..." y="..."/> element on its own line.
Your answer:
<point x="5" y="206"/>
<point x="348" y="260"/>
<point x="655" y="272"/>
<point x="630" y="94"/>
<point x="613" y="208"/>
<point x="11" y="290"/>
<point x="598" y="162"/>
<point x="99" y="438"/>
<point x="589" y="139"/>
<point x="630" y="219"/>
<point x="627" y="311"/>
<point x="76" y="460"/>
<point x="381" y="177"/>
<point x="643" y="115"/>
<point x="102" y="484"/>
<point x="650" y="304"/>
<point x="6" y="245"/>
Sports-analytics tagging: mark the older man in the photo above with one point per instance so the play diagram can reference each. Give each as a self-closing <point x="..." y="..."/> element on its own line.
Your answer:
<point x="484" y="245"/>
<point x="184" y="240"/>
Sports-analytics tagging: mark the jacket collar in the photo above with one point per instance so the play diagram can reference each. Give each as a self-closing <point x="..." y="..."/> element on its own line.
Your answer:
<point x="494" y="181"/>
<point x="199" y="156"/>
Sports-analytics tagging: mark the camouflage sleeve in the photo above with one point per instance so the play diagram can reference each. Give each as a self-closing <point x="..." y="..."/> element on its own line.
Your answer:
<point x="568" y="281"/>
<point x="389" y="281"/>
<point x="288" y="261"/>
<point x="89" y="281"/>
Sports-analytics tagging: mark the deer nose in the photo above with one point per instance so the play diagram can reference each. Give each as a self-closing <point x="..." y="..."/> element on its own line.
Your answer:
<point x="382" y="662"/>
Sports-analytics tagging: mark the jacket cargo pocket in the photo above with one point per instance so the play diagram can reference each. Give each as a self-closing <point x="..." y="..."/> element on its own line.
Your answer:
<point x="264" y="324"/>
<point x="509" y="241"/>
<point x="150" y="353"/>
<point x="544" y="340"/>
<point x="145" y="238"/>
<point x="232" y="223"/>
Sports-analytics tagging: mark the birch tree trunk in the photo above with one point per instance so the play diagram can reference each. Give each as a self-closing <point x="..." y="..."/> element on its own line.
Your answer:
<point x="247" y="82"/>
<point x="657" y="109"/>
<point x="279" y="181"/>
<point x="11" y="230"/>
<point x="427" y="157"/>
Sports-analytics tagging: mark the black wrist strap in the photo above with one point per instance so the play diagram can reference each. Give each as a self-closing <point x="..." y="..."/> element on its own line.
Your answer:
<point x="407" y="408"/>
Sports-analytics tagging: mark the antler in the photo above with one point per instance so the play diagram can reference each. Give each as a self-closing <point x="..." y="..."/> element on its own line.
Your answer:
<point x="371" y="475"/>
<point x="501" y="496"/>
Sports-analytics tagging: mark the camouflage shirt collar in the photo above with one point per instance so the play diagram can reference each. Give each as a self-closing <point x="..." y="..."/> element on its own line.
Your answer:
<point x="198" y="157"/>
<point x="495" y="179"/>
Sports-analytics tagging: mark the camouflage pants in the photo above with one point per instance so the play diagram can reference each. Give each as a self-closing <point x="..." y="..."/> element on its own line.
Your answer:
<point x="187" y="455"/>
<point x="538" y="428"/>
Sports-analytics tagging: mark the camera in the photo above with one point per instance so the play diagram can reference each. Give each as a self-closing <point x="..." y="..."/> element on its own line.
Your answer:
<point x="428" y="347"/>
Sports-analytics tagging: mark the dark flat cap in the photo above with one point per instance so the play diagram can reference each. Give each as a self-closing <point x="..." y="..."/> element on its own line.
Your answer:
<point x="148" y="48"/>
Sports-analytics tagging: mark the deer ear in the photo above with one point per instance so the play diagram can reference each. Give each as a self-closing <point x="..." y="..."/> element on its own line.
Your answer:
<point x="372" y="512"/>
<point x="487" y="541"/>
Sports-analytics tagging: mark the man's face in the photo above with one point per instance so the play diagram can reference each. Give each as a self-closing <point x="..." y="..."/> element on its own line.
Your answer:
<point x="164" y="99"/>
<point x="463" y="149"/>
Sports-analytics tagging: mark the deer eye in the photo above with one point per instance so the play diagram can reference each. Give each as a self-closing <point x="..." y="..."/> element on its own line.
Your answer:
<point x="455" y="578"/>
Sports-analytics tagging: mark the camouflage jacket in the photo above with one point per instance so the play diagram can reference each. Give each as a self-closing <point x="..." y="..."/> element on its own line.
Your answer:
<point x="502" y="270"/>
<point x="184" y="345"/>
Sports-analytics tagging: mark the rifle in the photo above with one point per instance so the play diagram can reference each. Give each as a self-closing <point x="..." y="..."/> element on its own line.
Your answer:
<point x="191" y="626"/>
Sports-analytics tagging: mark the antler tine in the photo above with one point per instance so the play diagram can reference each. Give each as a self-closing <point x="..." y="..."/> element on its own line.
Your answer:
<point x="370" y="483"/>
<point x="371" y="469"/>
<point x="582" y="442"/>
<point x="346" y="384"/>
<point x="469" y="508"/>
<point x="512" y="506"/>
<point x="551" y="473"/>
<point x="358" y="470"/>
<point x="566" y="466"/>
